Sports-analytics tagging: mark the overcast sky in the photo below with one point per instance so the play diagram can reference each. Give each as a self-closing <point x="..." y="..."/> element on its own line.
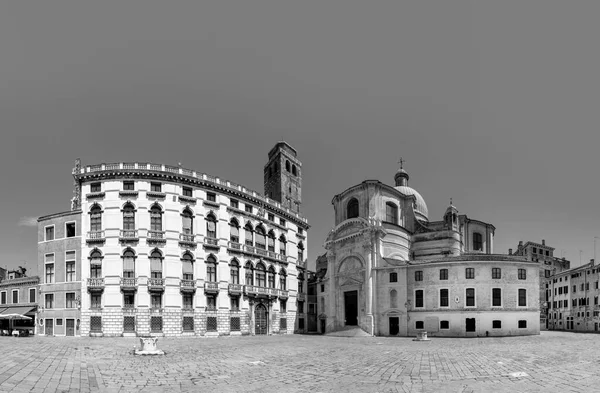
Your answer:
<point x="493" y="103"/>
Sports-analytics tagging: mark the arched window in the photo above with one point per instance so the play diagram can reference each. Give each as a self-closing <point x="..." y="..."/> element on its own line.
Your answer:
<point x="128" y="218"/>
<point x="249" y="276"/>
<point x="187" y="222"/>
<point x="156" y="218"/>
<point x="391" y="213"/>
<point x="393" y="299"/>
<point x="477" y="241"/>
<point x="352" y="208"/>
<point x="282" y="280"/>
<point x="248" y="234"/>
<point x="300" y="252"/>
<point x="282" y="245"/>
<point x="271" y="241"/>
<point x="128" y="263"/>
<point x="294" y="172"/>
<point x="234" y="272"/>
<point x="96" y="264"/>
<point x="156" y="264"/>
<point x="187" y="266"/>
<point x="95" y="218"/>
<point x="260" y="238"/>
<point x="260" y="275"/>
<point x="211" y="269"/>
<point x="211" y="226"/>
<point x="234" y="231"/>
<point x="271" y="277"/>
<point x="287" y="165"/>
<point x="300" y="282"/>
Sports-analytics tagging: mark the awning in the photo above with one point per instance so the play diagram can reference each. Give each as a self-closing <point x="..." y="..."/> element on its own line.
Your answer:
<point x="16" y="310"/>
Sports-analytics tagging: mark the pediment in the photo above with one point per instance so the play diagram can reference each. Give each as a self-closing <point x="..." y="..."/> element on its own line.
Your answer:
<point x="349" y="281"/>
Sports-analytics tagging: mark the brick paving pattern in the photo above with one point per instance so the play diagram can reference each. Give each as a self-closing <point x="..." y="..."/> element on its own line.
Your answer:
<point x="551" y="362"/>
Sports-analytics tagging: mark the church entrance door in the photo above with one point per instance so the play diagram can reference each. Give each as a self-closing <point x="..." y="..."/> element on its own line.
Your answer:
<point x="260" y="319"/>
<point x="351" y="307"/>
<point x="394" y="326"/>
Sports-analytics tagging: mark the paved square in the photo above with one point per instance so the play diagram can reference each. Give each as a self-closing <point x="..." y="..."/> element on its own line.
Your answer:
<point x="551" y="362"/>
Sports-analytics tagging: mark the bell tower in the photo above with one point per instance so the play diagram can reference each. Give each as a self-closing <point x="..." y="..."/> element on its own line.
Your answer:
<point x="283" y="176"/>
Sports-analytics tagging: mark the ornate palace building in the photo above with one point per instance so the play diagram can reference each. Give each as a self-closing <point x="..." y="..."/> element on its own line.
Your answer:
<point x="391" y="271"/>
<point x="170" y="251"/>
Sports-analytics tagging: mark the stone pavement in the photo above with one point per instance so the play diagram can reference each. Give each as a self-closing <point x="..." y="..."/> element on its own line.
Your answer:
<point x="551" y="362"/>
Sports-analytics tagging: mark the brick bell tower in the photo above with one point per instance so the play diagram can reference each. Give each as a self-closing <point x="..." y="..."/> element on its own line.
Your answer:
<point x="283" y="176"/>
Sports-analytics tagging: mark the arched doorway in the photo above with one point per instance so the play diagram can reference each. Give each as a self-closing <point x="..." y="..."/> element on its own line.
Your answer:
<point x="260" y="319"/>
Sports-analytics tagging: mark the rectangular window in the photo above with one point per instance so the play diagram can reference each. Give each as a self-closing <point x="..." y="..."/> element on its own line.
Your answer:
<point x="129" y="299"/>
<point x="496" y="273"/>
<point x="188" y="324"/>
<point x="282" y="306"/>
<point x="470" y="297"/>
<point x="393" y="277"/>
<point x="282" y="222"/>
<point x="496" y="297"/>
<point x="96" y="301"/>
<point x="156" y="301"/>
<point x="155" y="187"/>
<point x="496" y="324"/>
<point x="234" y="203"/>
<point x="419" y="325"/>
<point x="248" y="208"/>
<point x="547" y="253"/>
<point x="534" y="250"/>
<point x="70" y="229"/>
<point x="470" y="272"/>
<point x="70" y="300"/>
<point x="95" y="187"/>
<point x="211" y="197"/>
<point x="49" y="264"/>
<point x="323" y="285"/>
<point x="443" y="298"/>
<point x="49" y="300"/>
<point x="522" y="324"/>
<point x="301" y="307"/>
<point x="574" y="288"/>
<point x="522" y="298"/>
<point x="419" y="298"/>
<point x="235" y="303"/>
<point x="15" y="296"/>
<point x="3" y="298"/>
<point x="419" y="275"/>
<point x="587" y="286"/>
<point x="391" y="213"/>
<point x="211" y="303"/>
<point x="444" y="324"/>
<point x="547" y="273"/>
<point x="128" y="186"/>
<point x="188" y="301"/>
<point x="49" y="235"/>
<point x="187" y="191"/>
<point x="565" y="304"/>
<point x="271" y="217"/>
<point x="59" y="322"/>
<point x="31" y="295"/>
<point x="560" y="290"/>
<point x="443" y="274"/>
<point x="70" y="266"/>
<point x="582" y="286"/>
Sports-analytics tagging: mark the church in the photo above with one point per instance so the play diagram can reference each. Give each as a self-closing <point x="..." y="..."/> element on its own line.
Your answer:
<point x="393" y="272"/>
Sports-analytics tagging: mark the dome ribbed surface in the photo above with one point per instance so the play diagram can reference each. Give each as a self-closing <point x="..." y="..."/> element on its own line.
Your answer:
<point x="421" y="210"/>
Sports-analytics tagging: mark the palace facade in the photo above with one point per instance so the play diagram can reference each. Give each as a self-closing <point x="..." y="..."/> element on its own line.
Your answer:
<point x="169" y="251"/>
<point x="393" y="272"/>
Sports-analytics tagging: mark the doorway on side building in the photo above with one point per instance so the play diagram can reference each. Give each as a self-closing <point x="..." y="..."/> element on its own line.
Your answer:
<point x="49" y="329"/>
<point x="351" y="308"/>
<point x="470" y="324"/>
<point x="260" y="319"/>
<point x="394" y="326"/>
<point x="70" y="327"/>
<point x="322" y="326"/>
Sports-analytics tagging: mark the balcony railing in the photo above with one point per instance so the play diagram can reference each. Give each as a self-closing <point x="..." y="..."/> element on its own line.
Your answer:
<point x="257" y="251"/>
<point x="283" y="294"/>
<point x="187" y="285"/>
<point x="211" y="242"/>
<point x="156" y="237"/>
<point x="211" y="287"/>
<point x="256" y="291"/>
<point x="186" y="239"/>
<point x="156" y="284"/>
<point x="129" y="309"/>
<point x="129" y="193"/>
<point x="95" y="237"/>
<point x="95" y="195"/>
<point x="95" y="284"/>
<point x="236" y="288"/>
<point x="128" y="235"/>
<point x="129" y="283"/>
<point x="234" y="246"/>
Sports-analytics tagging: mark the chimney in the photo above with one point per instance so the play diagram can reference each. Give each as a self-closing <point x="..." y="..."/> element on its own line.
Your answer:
<point x="510" y="251"/>
<point x="543" y="242"/>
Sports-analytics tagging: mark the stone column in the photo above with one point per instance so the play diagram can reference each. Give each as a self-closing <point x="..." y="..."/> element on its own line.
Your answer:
<point x="368" y="248"/>
<point x="332" y="291"/>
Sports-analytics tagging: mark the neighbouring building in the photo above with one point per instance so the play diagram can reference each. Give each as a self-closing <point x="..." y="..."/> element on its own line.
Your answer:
<point x="548" y="265"/>
<point x="60" y="264"/>
<point x="393" y="272"/>
<point x="572" y="297"/>
<point x="18" y="295"/>
<point x="171" y="251"/>
<point x="2" y="273"/>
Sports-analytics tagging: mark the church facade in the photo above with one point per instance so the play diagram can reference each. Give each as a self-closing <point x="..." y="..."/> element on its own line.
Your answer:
<point x="392" y="272"/>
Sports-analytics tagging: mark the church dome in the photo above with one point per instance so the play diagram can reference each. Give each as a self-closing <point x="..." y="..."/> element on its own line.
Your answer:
<point x="421" y="209"/>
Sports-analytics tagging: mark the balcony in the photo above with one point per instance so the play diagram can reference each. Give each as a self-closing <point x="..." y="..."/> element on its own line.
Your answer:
<point x="234" y="247"/>
<point x="95" y="195"/>
<point x="129" y="309"/>
<point x="156" y="194"/>
<point x="128" y="193"/>
<point x="236" y="289"/>
<point x="301" y="297"/>
<point x="129" y="284"/>
<point x="283" y="294"/>
<point x="302" y="264"/>
<point x="95" y="284"/>
<point x="156" y="284"/>
<point x="255" y="291"/>
<point x="187" y="286"/>
<point x="187" y="199"/>
<point x="187" y="240"/>
<point x="260" y="252"/>
<point x="211" y="242"/>
<point x="156" y="237"/>
<point x="95" y="237"/>
<point x="128" y="236"/>
<point x="211" y="287"/>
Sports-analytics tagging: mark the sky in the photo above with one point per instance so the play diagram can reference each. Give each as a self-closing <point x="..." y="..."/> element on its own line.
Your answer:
<point x="495" y="104"/>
